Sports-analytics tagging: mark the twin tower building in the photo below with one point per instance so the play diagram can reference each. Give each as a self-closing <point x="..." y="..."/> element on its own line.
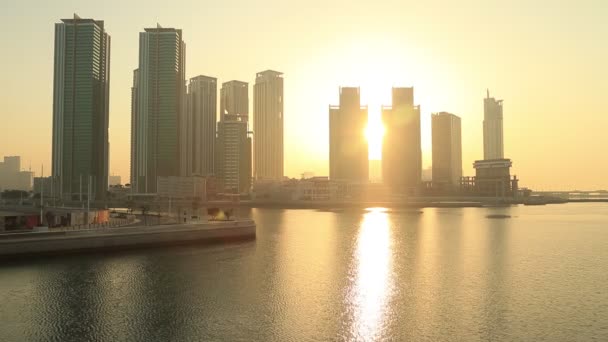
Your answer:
<point x="401" y="146"/>
<point x="174" y="126"/>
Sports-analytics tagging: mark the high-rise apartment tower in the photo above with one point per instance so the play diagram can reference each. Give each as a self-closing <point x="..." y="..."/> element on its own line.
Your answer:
<point x="160" y="136"/>
<point x="348" y="147"/>
<point x="447" y="150"/>
<point x="80" y="108"/>
<point x="268" y="125"/>
<point x="401" y="147"/>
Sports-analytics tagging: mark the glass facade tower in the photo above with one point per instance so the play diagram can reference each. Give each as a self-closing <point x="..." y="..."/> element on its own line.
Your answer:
<point x="80" y="108"/>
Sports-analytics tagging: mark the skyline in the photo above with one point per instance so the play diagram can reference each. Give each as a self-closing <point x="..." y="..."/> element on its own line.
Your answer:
<point x="441" y="83"/>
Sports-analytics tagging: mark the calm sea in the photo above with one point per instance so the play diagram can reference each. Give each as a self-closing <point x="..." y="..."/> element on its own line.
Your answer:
<point x="356" y="275"/>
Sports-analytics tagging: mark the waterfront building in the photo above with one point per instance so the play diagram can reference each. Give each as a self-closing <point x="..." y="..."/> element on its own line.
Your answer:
<point x="80" y="146"/>
<point x="202" y="109"/>
<point x="493" y="178"/>
<point x="274" y="190"/>
<point x="447" y="150"/>
<point x="493" y="147"/>
<point x="233" y="148"/>
<point x="268" y="125"/>
<point x="316" y="189"/>
<point x="348" y="147"/>
<point x="160" y="134"/>
<point x="401" y="148"/>
<point x="19" y="220"/>
<point x="178" y="187"/>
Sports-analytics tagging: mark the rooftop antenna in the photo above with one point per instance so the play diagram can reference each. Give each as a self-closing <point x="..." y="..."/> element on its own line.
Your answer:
<point x="488" y="93"/>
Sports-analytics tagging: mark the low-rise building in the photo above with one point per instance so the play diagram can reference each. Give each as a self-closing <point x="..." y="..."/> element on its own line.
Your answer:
<point x="182" y="187"/>
<point x="13" y="220"/>
<point x="114" y="180"/>
<point x="493" y="178"/>
<point x="266" y="189"/>
<point x="316" y="189"/>
<point x="11" y="176"/>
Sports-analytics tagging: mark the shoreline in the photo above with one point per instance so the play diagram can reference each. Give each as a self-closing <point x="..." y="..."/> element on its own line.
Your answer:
<point x="413" y="203"/>
<point x="362" y="205"/>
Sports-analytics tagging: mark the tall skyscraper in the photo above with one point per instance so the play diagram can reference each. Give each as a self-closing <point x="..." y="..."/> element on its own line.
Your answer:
<point x="80" y="107"/>
<point x="233" y="150"/>
<point x="401" y="148"/>
<point x="493" y="147"/>
<point x="348" y="148"/>
<point x="160" y="139"/>
<point x="268" y="125"/>
<point x="447" y="150"/>
<point x="202" y="106"/>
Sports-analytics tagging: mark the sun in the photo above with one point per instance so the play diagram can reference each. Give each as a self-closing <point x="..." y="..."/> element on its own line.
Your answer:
<point x="374" y="134"/>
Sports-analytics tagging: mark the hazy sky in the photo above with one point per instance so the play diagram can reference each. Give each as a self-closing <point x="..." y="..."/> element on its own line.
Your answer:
<point x="548" y="60"/>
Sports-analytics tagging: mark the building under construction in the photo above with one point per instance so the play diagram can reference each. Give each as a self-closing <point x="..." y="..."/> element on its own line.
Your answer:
<point x="492" y="178"/>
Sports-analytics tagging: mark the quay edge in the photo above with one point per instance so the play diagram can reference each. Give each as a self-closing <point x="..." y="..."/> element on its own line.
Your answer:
<point x="126" y="238"/>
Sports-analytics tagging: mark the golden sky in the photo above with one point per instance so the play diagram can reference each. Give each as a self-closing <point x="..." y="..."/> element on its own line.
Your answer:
<point x="548" y="60"/>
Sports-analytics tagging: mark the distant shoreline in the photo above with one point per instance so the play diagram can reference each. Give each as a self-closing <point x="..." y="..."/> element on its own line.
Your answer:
<point x="420" y="202"/>
<point x="345" y="205"/>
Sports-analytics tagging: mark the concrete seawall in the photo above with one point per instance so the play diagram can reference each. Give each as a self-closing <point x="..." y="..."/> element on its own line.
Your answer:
<point x="44" y="243"/>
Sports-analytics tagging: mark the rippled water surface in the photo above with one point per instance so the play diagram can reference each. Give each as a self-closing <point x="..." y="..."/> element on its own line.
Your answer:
<point x="433" y="275"/>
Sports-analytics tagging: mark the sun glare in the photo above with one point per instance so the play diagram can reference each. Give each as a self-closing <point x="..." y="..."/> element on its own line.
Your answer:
<point x="373" y="284"/>
<point x="374" y="134"/>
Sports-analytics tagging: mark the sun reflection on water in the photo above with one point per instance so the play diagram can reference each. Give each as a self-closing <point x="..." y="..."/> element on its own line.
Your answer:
<point x="372" y="280"/>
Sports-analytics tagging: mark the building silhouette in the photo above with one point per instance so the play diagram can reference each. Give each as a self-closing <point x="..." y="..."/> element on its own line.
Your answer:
<point x="134" y="125"/>
<point x="12" y="177"/>
<point x="233" y="148"/>
<point x="401" y="148"/>
<point x="447" y="150"/>
<point x="80" y="108"/>
<point x="493" y="173"/>
<point x="268" y="125"/>
<point x="202" y="109"/>
<point x="234" y="99"/>
<point x="114" y="180"/>
<point x="493" y="178"/>
<point x="159" y="115"/>
<point x="348" y="148"/>
<point x="493" y="147"/>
